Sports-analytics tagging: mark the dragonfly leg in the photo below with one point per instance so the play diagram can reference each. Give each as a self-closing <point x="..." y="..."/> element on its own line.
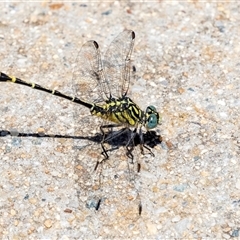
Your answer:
<point x="130" y="144"/>
<point x="107" y="138"/>
<point x="142" y="145"/>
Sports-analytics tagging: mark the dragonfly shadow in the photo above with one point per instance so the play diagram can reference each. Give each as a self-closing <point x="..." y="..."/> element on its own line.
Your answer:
<point x="151" y="138"/>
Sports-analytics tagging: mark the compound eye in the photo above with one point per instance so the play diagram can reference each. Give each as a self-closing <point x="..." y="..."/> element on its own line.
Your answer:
<point x="152" y="121"/>
<point x="150" y="109"/>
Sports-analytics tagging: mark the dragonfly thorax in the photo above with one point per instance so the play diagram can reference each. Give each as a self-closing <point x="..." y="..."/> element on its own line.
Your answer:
<point x="125" y="111"/>
<point x="121" y="111"/>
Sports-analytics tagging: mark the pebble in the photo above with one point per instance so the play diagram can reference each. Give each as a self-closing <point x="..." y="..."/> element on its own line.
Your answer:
<point x="235" y="233"/>
<point x="48" y="223"/>
<point x="176" y="218"/>
<point x="13" y="212"/>
<point x="238" y="184"/>
<point x="226" y="236"/>
<point x="55" y="173"/>
<point x="152" y="228"/>
<point x="32" y="200"/>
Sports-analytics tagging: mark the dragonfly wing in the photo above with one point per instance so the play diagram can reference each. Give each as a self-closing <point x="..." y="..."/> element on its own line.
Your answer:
<point x="117" y="64"/>
<point x="88" y="73"/>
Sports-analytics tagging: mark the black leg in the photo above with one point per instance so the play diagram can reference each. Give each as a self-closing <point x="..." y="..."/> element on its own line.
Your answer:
<point x="142" y="145"/>
<point x="131" y="142"/>
<point x="106" y="139"/>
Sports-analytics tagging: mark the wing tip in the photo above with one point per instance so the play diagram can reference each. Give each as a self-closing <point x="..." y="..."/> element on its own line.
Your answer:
<point x="133" y="35"/>
<point x="95" y="44"/>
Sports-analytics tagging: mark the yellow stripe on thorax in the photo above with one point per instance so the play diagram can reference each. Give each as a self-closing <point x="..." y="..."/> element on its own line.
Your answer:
<point x="119" y="116"/>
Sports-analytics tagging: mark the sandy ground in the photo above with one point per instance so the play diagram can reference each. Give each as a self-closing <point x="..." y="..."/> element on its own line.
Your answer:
<point x="187" y="61"/>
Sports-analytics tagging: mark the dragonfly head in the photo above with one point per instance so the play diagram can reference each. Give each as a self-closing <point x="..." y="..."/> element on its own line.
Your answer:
<point x="152" y="117"/>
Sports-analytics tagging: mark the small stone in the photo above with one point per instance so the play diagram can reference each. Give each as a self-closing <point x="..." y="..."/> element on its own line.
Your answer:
<point x="32" y="200"/>
<point x="48" y="223"/>
<point x="79" y="167"/>
<point x="227" y="229"/>
<point x="54" y="173"/>
<point x="238" y="184"/>
<point x="180" y="188"/>
<point x="13" y="212"/>
<point x="50" y="189"/>
<point x="205" y="173"/>
<point x="67" y="210"/>
<point x="215" y="214"/>
<point x="181" y="90"/>
<point x="16" y="222"/>
<point x="226" y="236"/>
<point x="155" y="189"/>
<point x="169" y="144"/>
<point x="235" y="233"/>
<point x="233" y="161"/>
<point x="147" y="76"/>
<point x="152" y="228"/>
<point x="176" y="218"/>
<point x="41" y="130"/>
<point x="204" y="151"/>
<point x="55" y="56"/>
<point x="221" y="102"/>
<point x="38" y="212"/>
<point x="223" y="114"/>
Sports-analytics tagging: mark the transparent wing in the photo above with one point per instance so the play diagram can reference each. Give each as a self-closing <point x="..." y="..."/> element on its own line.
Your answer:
<point x="117" y="65"/>
<point x="88" y="73"/>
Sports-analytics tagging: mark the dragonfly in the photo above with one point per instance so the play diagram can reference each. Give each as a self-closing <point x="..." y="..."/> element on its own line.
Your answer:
<point x="107" y="83"/>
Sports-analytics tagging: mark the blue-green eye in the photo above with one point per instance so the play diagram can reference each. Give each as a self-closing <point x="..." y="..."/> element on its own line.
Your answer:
<point x="150" y="109"/>
<point x="152" y="117"/>
<point x="152" y="121"/>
